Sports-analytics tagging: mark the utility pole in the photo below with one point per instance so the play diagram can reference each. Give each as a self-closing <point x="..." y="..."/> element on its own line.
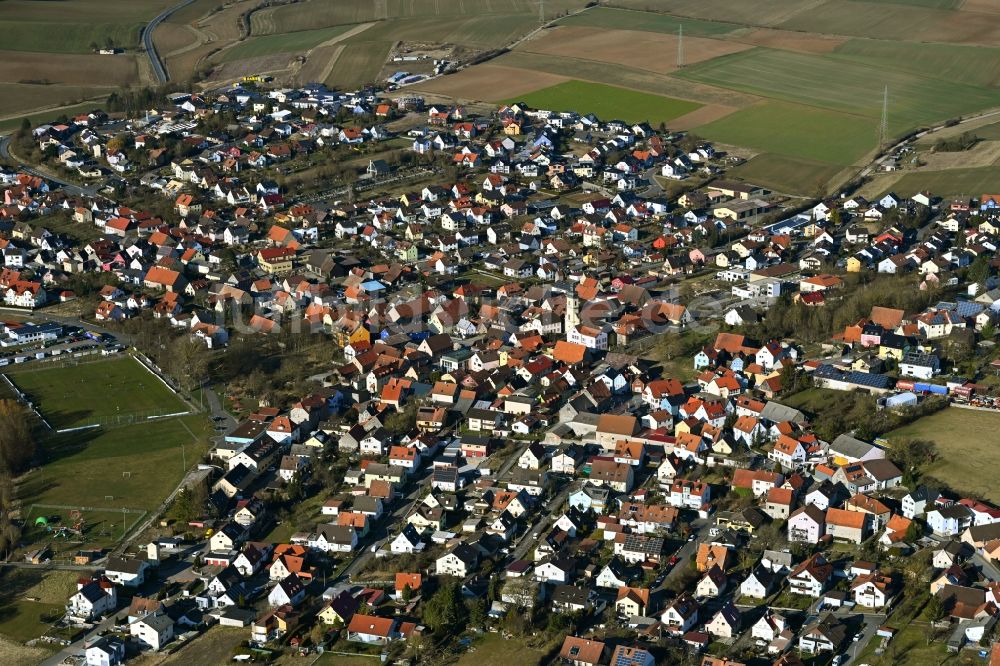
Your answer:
<point x="680" y="46"/>
<point x="883" y="128"/>
<point x="541" y="11"/>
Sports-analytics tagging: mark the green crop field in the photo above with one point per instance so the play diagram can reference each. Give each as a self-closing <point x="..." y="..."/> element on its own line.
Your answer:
<point x="732" y="11"/>
<point x="796" y="131"/>
<point x="838" y="85"/>
<point x="70" y="26"/>
<point x="951" y="183"/>
<point x="625" y="19"/>
<point x="608" y="102"/>
<point x="359" y="64"/>
<point x="975" y="65"/>
<point x="895" y="21"/>
<point x="786" y="174"/>
<point x="135" y="466"/>
<point x="281" y="43"/>
<point x="74" y="396"/>
<point x="426" y="15"/>
<point x="964" y="438"/>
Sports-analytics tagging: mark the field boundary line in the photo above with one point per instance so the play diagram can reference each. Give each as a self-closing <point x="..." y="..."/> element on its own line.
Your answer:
<point x="84" y="427"/>
<point x="22" y="398"/>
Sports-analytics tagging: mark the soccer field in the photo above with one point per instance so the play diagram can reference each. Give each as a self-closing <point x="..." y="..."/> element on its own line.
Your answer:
<point x="104" y="392"/>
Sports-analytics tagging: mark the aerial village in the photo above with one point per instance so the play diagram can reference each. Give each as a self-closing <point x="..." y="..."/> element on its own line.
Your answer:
<point x="565" y="390"/>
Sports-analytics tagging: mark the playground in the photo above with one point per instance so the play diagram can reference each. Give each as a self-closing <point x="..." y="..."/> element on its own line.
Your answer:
<point x="66" y="530"/>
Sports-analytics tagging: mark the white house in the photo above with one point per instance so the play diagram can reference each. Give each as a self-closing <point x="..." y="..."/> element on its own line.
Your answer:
<point x="407" y="541"/>
<point x="290" y="590"/>
<point x="949" y="520"/>
<point x="458" y="562"/>
<point x="106" y="651"/>
<point x="807" y="524"/>
<point x="153" y="631"/>
<point x="93" y="599"/>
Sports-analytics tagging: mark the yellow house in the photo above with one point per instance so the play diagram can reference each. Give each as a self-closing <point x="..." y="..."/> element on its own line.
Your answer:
<point x="329" y="616"/>
<point x="989" y="227"/>
<point x="886" y="353"/>
<point x="681" y="428"/>
<point x="276" y="259"/>
<point x="853" y="265"/>
<point x="350" y="332"/>
<point x="502" y="354"/>
<point x="512" y="128"/>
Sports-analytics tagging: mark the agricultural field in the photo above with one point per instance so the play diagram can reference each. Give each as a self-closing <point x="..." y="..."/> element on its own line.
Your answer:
<point x="963" y="437"/>
<point x="20" y="99"/>
<point x="785" y="174"/>
<point x="106" y="391"/>
<point x="897" y="22"/>
<point x="358" y="64"/>
<point x="505" y="83"/>
<point x="733" y="11"/>
<point x="951" y="183"/>
<point x="29" y="26"/>
<point x="652" y="51"/>
<point x="12" y="121"/>
<point x="838" y="85"/>
<point x="281" y="43"/>
<point x="805" y="132"/>
<point x="974" y="65"/>
<point x="625" y="19"/>
<point x="608" y="102"/>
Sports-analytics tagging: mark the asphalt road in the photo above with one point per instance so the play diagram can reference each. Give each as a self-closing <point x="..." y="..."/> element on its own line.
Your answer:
<point x="70" y="188"/>
<point x="147" y="40"/>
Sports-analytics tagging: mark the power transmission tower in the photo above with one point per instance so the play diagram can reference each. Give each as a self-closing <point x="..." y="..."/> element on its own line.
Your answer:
<point x="680" y="46"/>
<point x="883" y="128"/>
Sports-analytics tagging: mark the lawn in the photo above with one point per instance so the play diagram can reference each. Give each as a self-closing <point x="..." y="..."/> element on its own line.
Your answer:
<point x="810" y="401"/>
<point x="26" y="595"/>
<point x="215" y="646"/>
<point x="98" y="529"/>
<point x="625" y="19"/>
<point x="966" y="444"/>
<point x="608" y="102"/>
<point x="493" y="650"/>
<point x="282" y="43"/>
<point x="100" y="392"/>
<point x="797" y="131"/>
<point x="86" y="467"/>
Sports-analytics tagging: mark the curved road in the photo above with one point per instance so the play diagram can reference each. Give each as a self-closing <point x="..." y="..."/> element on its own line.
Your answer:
<point x="147" y="40"/>
<point x="70" y="188"/>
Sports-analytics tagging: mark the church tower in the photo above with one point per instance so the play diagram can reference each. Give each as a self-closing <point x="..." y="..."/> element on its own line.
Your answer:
<point x="572" y="316"/>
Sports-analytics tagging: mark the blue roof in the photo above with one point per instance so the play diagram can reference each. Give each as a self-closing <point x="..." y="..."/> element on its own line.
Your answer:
<point x="372" y="285"/>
